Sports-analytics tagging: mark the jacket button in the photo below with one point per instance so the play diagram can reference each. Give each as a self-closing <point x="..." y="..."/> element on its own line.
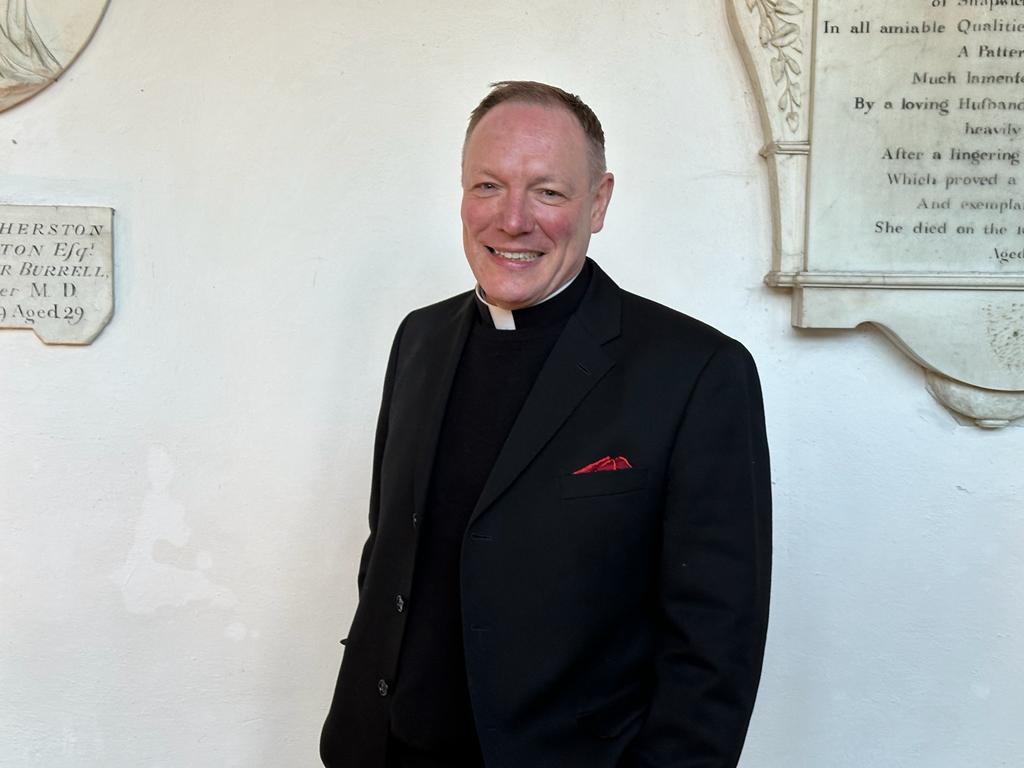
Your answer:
<point x="399" y="603"/>
<point x="382" y="687"/>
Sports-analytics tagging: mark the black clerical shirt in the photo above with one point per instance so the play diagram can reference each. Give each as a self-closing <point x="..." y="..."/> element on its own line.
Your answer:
<point x="431" y="710"/>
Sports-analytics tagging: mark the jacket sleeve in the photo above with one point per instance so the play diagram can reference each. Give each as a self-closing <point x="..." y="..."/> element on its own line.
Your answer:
<point x="714" y="574"/>
<point x="378" y="453"/>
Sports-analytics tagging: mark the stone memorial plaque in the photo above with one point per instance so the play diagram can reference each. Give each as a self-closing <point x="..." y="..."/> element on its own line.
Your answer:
<point x="896" y="136"/>
<point x="56" y="271"/>
<point x="39" y="39"/>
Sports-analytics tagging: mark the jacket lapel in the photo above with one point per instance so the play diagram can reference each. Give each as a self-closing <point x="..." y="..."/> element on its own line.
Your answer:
<point x="576" y="364"/>
<point x="437" y="360"/>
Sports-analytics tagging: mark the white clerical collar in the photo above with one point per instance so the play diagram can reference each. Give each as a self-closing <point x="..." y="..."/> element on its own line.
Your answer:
<point x="504" y="319"/>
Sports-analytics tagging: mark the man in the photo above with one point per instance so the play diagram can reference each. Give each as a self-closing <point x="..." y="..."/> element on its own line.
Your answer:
<point x="569" y="548"/>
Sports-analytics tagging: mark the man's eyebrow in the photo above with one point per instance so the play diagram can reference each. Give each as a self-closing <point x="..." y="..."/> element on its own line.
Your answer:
<point x="555" y="181"/>
<point x="535" y="181"/>
<point x="552" y="180"/>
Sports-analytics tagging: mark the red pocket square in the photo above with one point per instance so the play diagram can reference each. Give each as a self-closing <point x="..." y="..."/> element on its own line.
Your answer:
<point x="607" y="464"/>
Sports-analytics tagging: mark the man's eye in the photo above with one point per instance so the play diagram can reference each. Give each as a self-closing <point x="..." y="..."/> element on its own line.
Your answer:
<point x="550" y="194"/>
<point x="487" y="186"/>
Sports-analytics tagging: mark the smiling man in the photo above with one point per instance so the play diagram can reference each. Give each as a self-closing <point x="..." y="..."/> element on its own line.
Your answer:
<point x="533" y="193"/>
<point x="570" y="517"/>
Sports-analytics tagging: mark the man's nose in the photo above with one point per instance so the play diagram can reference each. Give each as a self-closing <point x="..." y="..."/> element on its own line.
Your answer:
<point x="515" y="215"/>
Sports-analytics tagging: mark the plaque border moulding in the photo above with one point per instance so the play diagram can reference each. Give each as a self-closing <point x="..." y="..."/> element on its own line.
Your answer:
<point x="776" y="41"/>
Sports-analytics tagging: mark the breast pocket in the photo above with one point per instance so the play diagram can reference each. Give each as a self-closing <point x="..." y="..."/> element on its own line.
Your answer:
<point x="603" y="483"/>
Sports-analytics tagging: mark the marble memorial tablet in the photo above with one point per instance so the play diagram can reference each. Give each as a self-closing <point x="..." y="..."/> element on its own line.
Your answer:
<point x="56" y="271"/>
<point x="918" y="120"/>
<point x="897" y="132"/>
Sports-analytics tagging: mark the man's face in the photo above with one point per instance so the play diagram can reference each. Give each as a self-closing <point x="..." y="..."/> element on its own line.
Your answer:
<point x="529" y="202"/>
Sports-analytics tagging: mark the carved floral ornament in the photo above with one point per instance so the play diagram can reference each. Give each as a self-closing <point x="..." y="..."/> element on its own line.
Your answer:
<point x="779" y="33"/>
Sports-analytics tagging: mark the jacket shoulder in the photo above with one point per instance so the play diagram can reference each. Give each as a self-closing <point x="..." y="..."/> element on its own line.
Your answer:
<point x="442" y="310"/>
<point x="433" y="316"/>
<point x="650" y="324"/>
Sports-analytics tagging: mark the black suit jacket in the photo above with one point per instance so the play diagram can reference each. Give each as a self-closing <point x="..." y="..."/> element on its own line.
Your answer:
<point x="610" y="619"/>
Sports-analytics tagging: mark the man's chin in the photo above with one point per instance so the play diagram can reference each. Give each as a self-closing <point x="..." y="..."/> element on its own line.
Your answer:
<point x="508" y="301"/>
<point x="513" y="299"/>
<point x="510" y="293"/>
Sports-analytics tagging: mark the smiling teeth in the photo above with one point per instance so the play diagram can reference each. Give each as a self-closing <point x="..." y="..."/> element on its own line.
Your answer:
<point x="517" y="255"/>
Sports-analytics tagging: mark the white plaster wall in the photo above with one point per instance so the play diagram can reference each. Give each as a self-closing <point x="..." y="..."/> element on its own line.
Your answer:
<point x="182" y="503"/>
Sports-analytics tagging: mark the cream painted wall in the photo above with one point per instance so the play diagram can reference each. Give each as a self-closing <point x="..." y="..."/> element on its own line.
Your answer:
<point x="182" y="503"/>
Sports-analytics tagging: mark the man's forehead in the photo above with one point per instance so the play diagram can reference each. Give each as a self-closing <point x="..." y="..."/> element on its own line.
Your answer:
<point x="526" y="134"/>
<point x="527" y="115"/>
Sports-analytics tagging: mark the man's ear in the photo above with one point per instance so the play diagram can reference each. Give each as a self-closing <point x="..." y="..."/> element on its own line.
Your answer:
<point x="602" y="196"/>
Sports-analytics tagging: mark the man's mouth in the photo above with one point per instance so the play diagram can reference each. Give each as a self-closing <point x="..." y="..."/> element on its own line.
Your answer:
<point x="516" y="255"/>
